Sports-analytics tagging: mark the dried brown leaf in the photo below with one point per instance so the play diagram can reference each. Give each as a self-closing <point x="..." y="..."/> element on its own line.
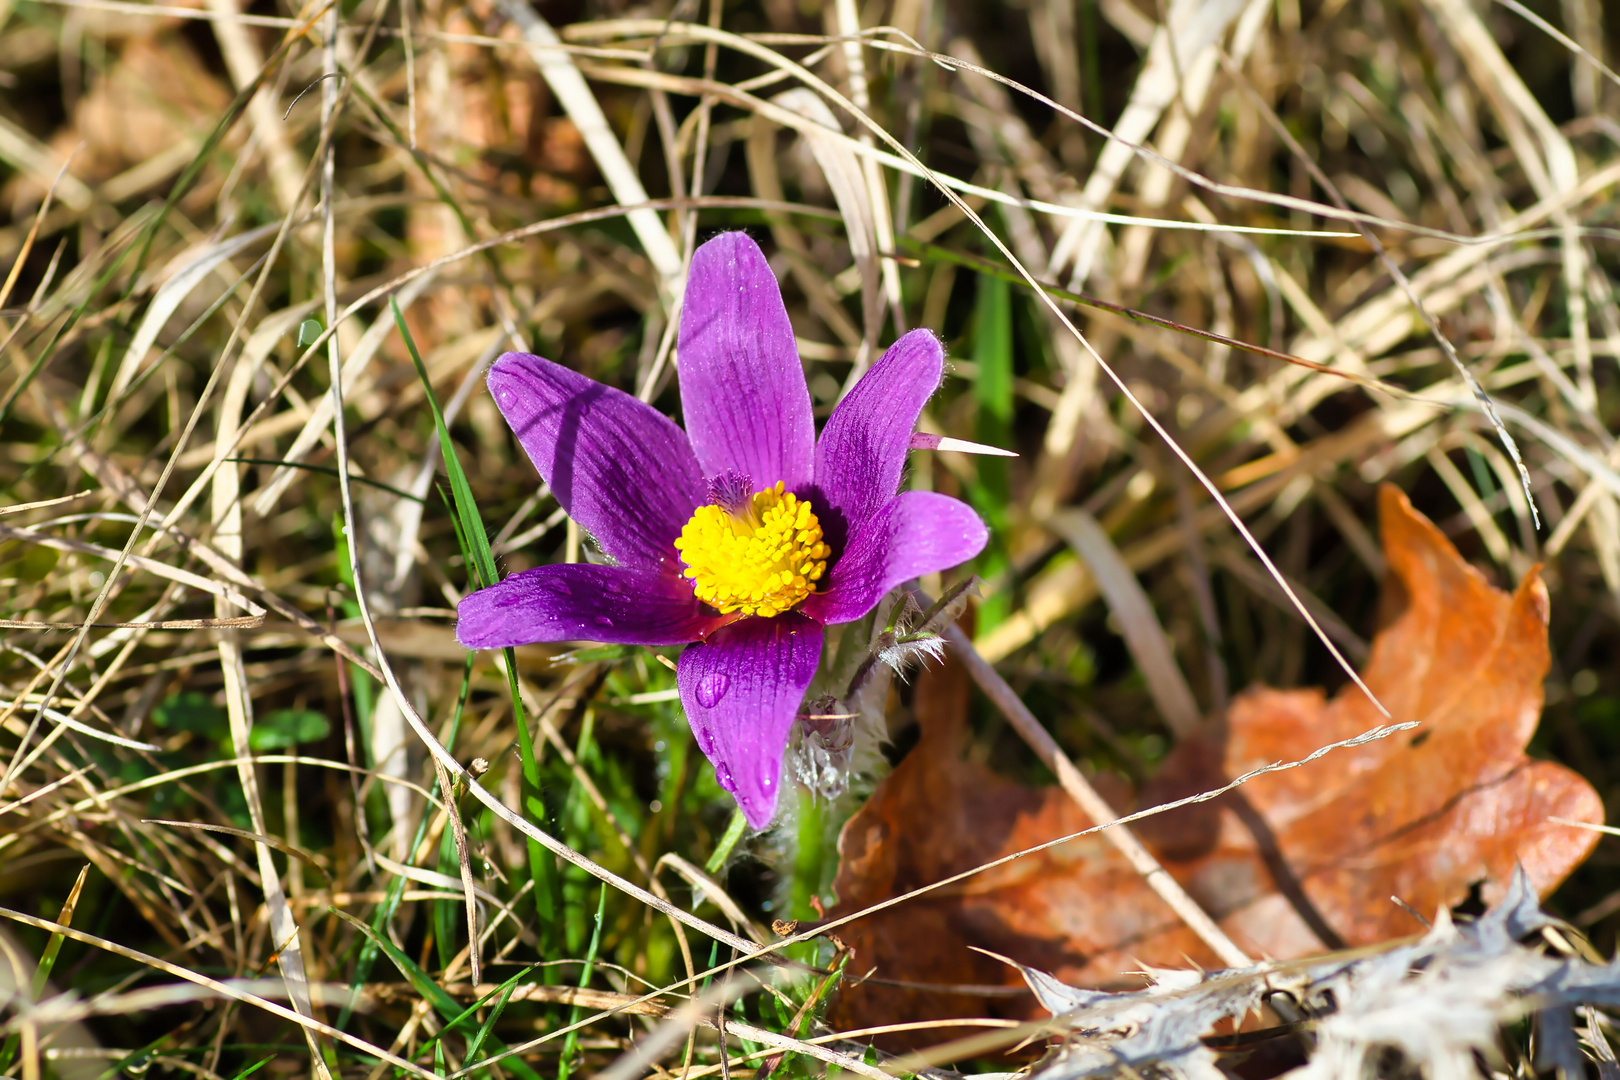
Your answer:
<point x="1292" y="863"/>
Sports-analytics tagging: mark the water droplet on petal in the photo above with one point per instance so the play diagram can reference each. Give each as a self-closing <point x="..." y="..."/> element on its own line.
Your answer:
<point x="711" y="688"/>
<point x="722" y="775"/>
<point x="602" y="620"/>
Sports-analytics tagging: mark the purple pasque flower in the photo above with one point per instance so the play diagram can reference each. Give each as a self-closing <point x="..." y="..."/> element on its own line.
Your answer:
<point x="740" y="537"/>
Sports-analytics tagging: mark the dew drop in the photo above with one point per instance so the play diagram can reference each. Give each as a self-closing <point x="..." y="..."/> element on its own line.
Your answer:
<point x="722" y="775"/>
<point x="712" y="687"/>
<point x="602" y="620"/>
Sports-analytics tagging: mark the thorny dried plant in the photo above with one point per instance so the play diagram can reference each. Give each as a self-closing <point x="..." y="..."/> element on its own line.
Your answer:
<point x="1214" y="270"/>
<point x="1431" y="1006"/>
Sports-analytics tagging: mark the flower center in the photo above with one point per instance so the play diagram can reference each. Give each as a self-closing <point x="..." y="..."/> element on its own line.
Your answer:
<point x="760" y="558"/>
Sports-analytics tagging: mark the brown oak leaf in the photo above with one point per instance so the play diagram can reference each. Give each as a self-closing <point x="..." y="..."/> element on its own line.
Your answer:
<point x="1293" y="863"/>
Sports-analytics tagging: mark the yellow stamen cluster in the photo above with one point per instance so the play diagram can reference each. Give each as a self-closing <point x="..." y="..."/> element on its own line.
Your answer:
<point x="762" y="559"/>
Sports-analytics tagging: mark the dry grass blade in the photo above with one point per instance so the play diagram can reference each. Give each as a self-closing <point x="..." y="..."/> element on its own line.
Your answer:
<point x="28" y="243"/>
<point x="1322" y="249"/>
<point x="233" y="621"/>
<point x="1160" y="880"/>
<point x="570" y="87"/>
<point x="1559" y="36"/>
<point x="845" y="176"/>
<point x="699" y="879"/>
<point x="64" y="1009"/>
<point x="42" y="504"/>
<point x="458" y="833"/>
<point x="1093" y="804"/>
<point x="717" y="998"/>
<point x="441" y="756"/>
<point x="1214" y="491"/>
<point x="1130" y="605"/>
<point x="68" y="723"/>
<point x="223" y="989"/>
<point x="258" y="838"/>
<point x="1429" y="319"/>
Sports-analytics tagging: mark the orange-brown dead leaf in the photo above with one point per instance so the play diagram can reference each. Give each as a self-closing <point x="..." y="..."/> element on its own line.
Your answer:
<point x="158" y="94"/>
<point x="1293" y="863"/>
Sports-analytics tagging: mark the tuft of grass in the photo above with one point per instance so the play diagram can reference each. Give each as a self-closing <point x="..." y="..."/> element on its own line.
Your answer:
<point x="177" y="574"/>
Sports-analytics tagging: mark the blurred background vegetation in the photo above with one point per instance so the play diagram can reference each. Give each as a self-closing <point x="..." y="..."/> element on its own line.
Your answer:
<point x="165" y="314"/>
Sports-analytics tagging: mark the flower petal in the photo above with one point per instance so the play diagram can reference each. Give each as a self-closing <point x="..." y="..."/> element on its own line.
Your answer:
<point x="863" y="447"/>
<point x="743" y="395"/>
<point x="621" y="468"/>
<point x="620" y="605"/>
<point x="915" y="533"/>
<point x="741" y="689"/>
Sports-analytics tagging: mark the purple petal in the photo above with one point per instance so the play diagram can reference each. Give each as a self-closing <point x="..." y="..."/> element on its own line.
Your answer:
<point x="915" y="533"/>
<point x="620" y="605"/>
<point x="863" y="447"/>
<point x="622" y="469"/>
<point x="741" y="689"/>
<point x="742" y="387"/>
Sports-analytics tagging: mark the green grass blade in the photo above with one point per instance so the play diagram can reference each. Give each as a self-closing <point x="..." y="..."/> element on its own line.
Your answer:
<point x="722" y="850"/>
<point x="420" y="981"/>
<point x="990" y="494"/>
<point x="436" y="995"/>
<point x="396" y="889"/>
<point x="503" y="994"/>
<point x="502" y="991"/>
<point x="572" y="1039"/>
<point x="466" y="507"/>
<point x="47" y="960"/>
<point x="992" y="350"/>
<point x="187" y="177"/>
<point x="481" y="562"/>
<point x="251" y="1069"/>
